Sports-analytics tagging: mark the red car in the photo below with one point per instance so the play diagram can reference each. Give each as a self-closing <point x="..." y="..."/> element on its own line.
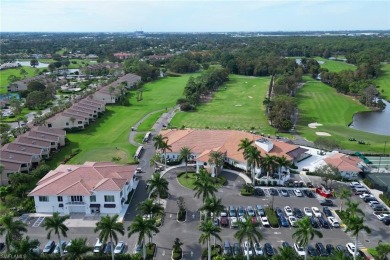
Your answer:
<point x="254" y="220"/>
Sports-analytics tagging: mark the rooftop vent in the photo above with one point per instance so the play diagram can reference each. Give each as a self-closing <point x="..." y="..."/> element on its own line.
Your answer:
<point x="69" y="169"/>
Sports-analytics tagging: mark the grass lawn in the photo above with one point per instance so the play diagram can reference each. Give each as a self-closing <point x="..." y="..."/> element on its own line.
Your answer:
<point x="335" y="66"/>
<point x="384" y="82"/>
<point x="320" y="103"/>
<point x="109" y="135"/>
<point x="148" y="123"/>
<point x="189" y="182"/>
<point x="4" y="74"/>
<point x="238" y="106"/>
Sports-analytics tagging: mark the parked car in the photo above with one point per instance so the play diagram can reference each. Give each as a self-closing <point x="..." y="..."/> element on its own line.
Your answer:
<point x="299" y="249"/>
<point x="381" y="216"/>
<point x="98" y="247"/>
<point x="365" y="195"/>
<point x="368" y="199"/>
<point x="232" y="211"/>
<point x="233" y="222"/>
<point x="283" y="221"/>
<point x="327" y="212"/>
<point x="308" y="211"/>
<point x="386" y="221"/>
<point x="293" y="221"/>
<point x="67" y="246"/>
<point x="120" y="247"/>
<point x="285" y="244"/>
<point x="379" y="207"/>
<point x="323" y="222"/>
<point x="279" y="212"/>
<point x="250" y="211"/>
<point x="308" y="193"/>
<point x="260" y="211"/>
<point x="330" y="248"/>
<point x="273" y="192"/>
<point x="107" y="249"/>
<point x="242" y="219"/>
<point x="374" y="202"/>
<point x="236" y="249"/>
<point x="227" y="249"/>
<point x="288" y="211"/>
<point x="284" y="193"/>
<point x="224" y="221"/>
<point x="138" y="248"/>
<point x="49" y="247"/>
<point x="312" y="251"/>
<point x="316" y="212"/>
<point x="354" y="184"/>
<point x="321" y="249"/>
<point x="326" y="202"/>
<point x="264" y="221"/>
<point x="269" y="251"/>
<point x="259" y="192"/>
<point x="351" y="248"/>
<point x="342" y="249"/>
<point x="57" y="248"/>
<point x="298" y="213"/>
<point x="258" y="249"/>
<point x="216" y="222"/>
<point x="241" y="211"/>
<point x="247" y="249"/>
<point x="314" y="222"/>
<point x="333" y="222"/>
<point x="253" y="220"/>
<point x="298" y="193"/>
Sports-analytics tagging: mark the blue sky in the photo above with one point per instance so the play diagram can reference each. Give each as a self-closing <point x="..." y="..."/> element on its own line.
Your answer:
<point x="192" y="16"/>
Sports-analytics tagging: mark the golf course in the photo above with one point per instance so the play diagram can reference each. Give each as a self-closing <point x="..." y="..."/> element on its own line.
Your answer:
<point x="334" y="65"/>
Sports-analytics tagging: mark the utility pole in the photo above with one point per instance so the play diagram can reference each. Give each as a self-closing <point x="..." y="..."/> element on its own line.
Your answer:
<point x="380" y="156"/>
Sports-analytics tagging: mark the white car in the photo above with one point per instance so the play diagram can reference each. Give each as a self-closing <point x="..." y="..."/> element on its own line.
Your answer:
<point x="351" y="249"/>
<point x="258" y="249"/>
<point x="364" y="195"/>
<point x="333" y="222"/>
<point x="308" y="211"/>
<point x="293" y="221"/>
<point x="382" y="216"/>
<point x="264" y="221"/>
<point x="300" y="250"/>
<point x="316" y="212"/>
<point x="288" y="211"/>
<point x="247" y="248"/>
<point x="66" y="247"/>
<point x="233" y="222"/>
<point x="223" y="214"/>
<point x="242" y="219"/>
<point x="120" y="247"/>
<point x="298" y="193"/>
<point x="374" y="202"/>
<point x="354" y="184"/>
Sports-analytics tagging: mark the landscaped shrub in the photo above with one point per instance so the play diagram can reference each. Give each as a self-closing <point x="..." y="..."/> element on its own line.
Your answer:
<point x="272" y="218"/>
<point x="247" y="190"/>
<point x="221" y="181"/>
<point x="150" y="250"/>
<point x="173" y="162"/>
<point x="368" y="183"/>
<point x="294" y="166"/>
<point x="176" y="249"/>
<point x="385" y="199"/>
<point x="215" y="251"/>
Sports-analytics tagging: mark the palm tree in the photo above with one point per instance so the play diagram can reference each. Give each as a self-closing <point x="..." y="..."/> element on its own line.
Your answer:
<point x="166" y="147"/>
<point x="287" y="253"/>
<point x="204" y="185"/>
<point x="353" y="209"/>
<point x="24" y="248"/>
<point x="244" y="145"/>
<point x="159" y="142"/>
<point x="247" y="230"/>
<point x="216" y="159"/>
<point x="254" y="159"/>
<point x="208" y="229"/>
<point x="305" y="232"/>
<point x="344" y="194"/>
<point x="56" y="224"/>
<point x="77" y="248"/>
<point x="213" y="205"/>
<point x="158" y="184"/>
<point x="148" y="207"/>
<point x="282" y="162"/>
<point x="142" y="227"/>
<point x="269" y="163"/>
<point x="12" y="229"/>
<point x="185" y="153"/>
<point x="356" y="225"/>
<point x="108" y="227"/>
<point x="156" y="158"/>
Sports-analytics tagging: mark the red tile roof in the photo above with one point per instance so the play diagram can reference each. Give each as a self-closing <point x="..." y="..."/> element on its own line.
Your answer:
<point x="344" y="162"/>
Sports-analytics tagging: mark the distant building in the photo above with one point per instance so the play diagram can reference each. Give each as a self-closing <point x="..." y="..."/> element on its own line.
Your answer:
<point x="124" y="55"/>
<point x="349" y="166"/>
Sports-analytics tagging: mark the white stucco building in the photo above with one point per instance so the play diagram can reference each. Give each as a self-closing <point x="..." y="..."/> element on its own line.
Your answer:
<point x="94" y="187"/>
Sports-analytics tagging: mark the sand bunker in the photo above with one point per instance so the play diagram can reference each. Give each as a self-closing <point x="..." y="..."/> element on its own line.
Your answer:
<point x="250" y="97"/>
<point x="238" y="105"/>
<point x="314" y="125"/>
<point x="323" y="134"/>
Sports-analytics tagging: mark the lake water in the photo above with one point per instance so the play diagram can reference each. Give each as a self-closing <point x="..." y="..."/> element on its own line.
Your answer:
<point x="27" y="63"/>
<point x="377" y="122"/>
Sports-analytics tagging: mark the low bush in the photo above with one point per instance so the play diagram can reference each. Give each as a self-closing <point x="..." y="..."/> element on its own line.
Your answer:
<point x="272" y="218"/>
<point x="385" y="199"/>
<point x="181" y="216"/>
<point x="215" y="251"/>
<point x="368" y="183"/>
<point x="247" y="190"/>
<point x="150" y="250"/>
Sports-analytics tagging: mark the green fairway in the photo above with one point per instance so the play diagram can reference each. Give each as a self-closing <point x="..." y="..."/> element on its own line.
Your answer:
<point x="335" y="66"/>
<point x="238" y="106"/>
<point x="384" y="82"/>
<point x="320" y="103"/>
<point x="148" y="123"/>
<point x="4" y="74"/>
<point x="109" y="135"/>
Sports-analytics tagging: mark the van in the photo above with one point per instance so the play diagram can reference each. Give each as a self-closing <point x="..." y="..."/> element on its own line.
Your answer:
<point x="98" y="247"/>
<point x="360" y="190"/>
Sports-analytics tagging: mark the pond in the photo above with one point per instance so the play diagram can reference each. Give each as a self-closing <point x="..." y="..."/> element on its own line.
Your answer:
<point x="27" y="63"/>
<point x="9" y="96"/>
<point x="376" y="122"/>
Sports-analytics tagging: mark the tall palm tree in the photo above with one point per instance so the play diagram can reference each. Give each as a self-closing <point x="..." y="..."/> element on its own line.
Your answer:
<point x="204" y="185"/>
<point x="244" y="145"/>
<point x="108" y="227"/>
<point x="24" y="248"/>
<point x="78" y="248"/>
<point x="166" y="147"/>
<point x="56" y="224"/>
<point x="356" y="225"/>
<point x="148" y="207"/>
<point x="254" y="159"/>
<point x="246" y="230"/>
<point x="305" y="232"/>
<point x="208" y="229"/>
<point x="216" y="159"/>
<point x="156" y="158"/>
<point x="12" y="228"/>
<point x="185" y="153"/>
<point x="287" y="253"/>
<point x="161" y="143"/>
<point x="282" y="162"/>
<point x="344" y="194"/>
<point x="353" y="209"/>
<point x="158" y="184"/>
<point x="142" y="227"/>
<point x="269" y="164"/>
<point x="213" y="205"/>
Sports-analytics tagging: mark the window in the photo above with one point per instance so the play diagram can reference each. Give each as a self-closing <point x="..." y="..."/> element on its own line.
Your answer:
<point x="48" y="125"/>
<point x="76" y="198"/>
<point x="67" y="123"/>
<point x="121" y="194"/>
<point x="109" y="198"/>
<point x="92" y="198"/>
<point x="43" y="198"/>
<point x="79" y="122"/>
<point x="59" y="198"/>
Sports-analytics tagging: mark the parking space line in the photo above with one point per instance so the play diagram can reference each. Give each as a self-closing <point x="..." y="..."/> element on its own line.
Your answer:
<point x="38" y="222"/>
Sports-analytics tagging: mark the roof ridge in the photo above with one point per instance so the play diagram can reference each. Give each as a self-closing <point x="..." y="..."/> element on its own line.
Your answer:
<point x="190" y="131"/>
<point x="73" y="184"/>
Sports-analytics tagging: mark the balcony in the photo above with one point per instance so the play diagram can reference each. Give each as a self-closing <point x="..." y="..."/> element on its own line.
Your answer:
<point x="75" y="203"/>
